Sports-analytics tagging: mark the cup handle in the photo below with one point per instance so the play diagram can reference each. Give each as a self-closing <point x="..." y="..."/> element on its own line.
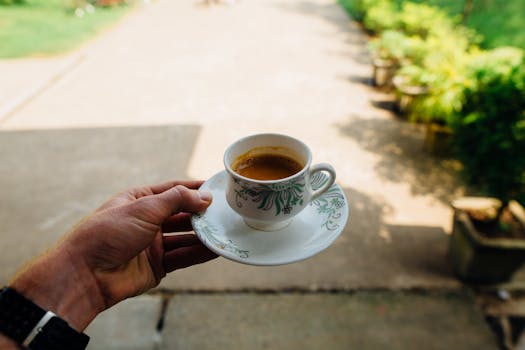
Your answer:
<point x="331" y="178"/>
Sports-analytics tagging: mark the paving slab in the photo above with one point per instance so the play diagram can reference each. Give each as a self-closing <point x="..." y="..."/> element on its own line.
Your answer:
<point x="50" y="179"/>
<point x="129" y="325"/>
<point x="374" y="320"/>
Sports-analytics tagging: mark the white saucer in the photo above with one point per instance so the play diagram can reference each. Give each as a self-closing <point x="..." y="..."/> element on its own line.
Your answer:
<point x="314" y="229"/>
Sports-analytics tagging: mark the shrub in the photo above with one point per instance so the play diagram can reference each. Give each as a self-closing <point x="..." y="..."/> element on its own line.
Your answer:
<point x="447" y="77"/>
<point x="441" y="66"/>
<point x="381" y="15"/>
<point x="358" y="8"/>
<point x="12" y="2"/>
<point x="414" y="75"/>
<point x="390" y="45"/>
<point x="490" y="127"/>
<point x="395" y="45"/>
<point x="422" y="20"/>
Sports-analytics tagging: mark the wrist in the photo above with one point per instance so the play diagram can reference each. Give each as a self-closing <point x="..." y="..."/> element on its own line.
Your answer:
<point x="63" y="285"/>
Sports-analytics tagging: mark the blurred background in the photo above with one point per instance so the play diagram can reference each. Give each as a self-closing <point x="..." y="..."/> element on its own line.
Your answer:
<point x="419" y="106"/>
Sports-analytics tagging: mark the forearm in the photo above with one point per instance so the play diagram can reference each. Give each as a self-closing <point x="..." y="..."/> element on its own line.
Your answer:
<point x="62" y="284"/>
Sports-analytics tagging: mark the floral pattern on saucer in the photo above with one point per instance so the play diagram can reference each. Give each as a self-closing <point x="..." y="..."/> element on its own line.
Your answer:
<point x="201" y="224"/>
<point x="330" y="204"/>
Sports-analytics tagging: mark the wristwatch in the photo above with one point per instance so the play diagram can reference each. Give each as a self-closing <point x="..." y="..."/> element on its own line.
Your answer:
<point x="35" y="328"/>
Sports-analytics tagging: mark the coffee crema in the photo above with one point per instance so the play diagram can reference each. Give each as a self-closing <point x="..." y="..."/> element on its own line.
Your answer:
<point x="266" y="166"/>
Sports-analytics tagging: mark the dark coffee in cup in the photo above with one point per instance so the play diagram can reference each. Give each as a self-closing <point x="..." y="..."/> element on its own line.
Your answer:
<point x="266" y="166"/>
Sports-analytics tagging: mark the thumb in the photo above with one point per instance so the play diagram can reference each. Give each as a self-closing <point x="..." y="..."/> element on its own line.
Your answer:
<point x="182" y="199"/>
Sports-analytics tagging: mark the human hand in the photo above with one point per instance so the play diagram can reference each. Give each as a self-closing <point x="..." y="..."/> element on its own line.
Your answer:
<point x="118" y="251"/>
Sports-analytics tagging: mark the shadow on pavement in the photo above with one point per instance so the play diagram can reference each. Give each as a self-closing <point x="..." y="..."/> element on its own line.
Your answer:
<point x="50" y="179"/>
<point x="402" y="158"/>
<point x="369" y="254"/>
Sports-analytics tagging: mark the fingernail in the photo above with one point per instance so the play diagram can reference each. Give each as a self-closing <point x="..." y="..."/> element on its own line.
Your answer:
<point x="205" y="196"/>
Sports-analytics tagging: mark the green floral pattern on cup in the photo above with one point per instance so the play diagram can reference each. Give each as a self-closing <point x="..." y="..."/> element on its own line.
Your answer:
<point x="279" y="197"/>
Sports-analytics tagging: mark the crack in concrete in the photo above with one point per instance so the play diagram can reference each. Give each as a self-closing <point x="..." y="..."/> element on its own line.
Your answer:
<point x="157" y="341"/>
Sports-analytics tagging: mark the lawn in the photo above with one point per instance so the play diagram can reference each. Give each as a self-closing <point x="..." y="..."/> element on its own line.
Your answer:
<point x="500" y="22"/>
<point x="47" y="27"/>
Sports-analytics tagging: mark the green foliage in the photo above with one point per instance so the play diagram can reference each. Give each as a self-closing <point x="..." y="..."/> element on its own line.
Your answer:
<point x="490" y="127"/>
<point x="447" y="77"/>
<point x="422" y="19"/>
<point x="499" y="23"/>
<point x="11" y="2"/>
<point x="381" y="16"/>
<point x="415" y="75"/>
<point x="399" y="47"/>
<point x="358" y="8"/>
<point x="390" y="45"/>
<point x="413" y="19"/>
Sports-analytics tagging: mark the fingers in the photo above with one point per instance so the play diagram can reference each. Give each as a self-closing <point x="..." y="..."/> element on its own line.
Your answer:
<point x="178" y="241"/>
<point x="182" y="199"/>
<point x="177" y="223"/>
<point x="156" y="189"/>
<point x="185" y="256"/>
<point x="144" y="191"/>
<point x="140" y="192"/>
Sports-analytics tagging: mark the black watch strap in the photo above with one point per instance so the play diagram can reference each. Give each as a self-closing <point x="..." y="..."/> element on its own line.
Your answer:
<point x="30" y="325"/>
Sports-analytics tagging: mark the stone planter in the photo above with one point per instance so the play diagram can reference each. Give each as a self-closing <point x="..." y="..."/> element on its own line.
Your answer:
<point x="383" y="72"/>
<point x="406" y="94"/>
<point x="482" y="260"/>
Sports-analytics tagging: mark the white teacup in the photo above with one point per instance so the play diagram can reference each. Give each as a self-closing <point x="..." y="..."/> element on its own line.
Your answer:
<point x="270" y="205"/>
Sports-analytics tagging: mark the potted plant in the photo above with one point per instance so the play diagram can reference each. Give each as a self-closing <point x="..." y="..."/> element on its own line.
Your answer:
<point x="426" y="96"/>
<point x="387" y="53"/>
<point x="443" y="72"/>
<point x="487" y="244"/>
<point x="410" y="82"/>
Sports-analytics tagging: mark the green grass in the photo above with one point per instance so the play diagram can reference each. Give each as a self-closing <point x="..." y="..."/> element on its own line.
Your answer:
<point x="500" y="22"/>
<point x="47" y="27"/>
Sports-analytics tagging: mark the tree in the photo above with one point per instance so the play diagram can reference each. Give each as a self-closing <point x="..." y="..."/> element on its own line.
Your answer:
<point x="467" y="9"/>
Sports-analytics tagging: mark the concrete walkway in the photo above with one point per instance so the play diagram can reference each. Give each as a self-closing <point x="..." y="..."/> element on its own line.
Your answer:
<point x="160" y="96"/>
